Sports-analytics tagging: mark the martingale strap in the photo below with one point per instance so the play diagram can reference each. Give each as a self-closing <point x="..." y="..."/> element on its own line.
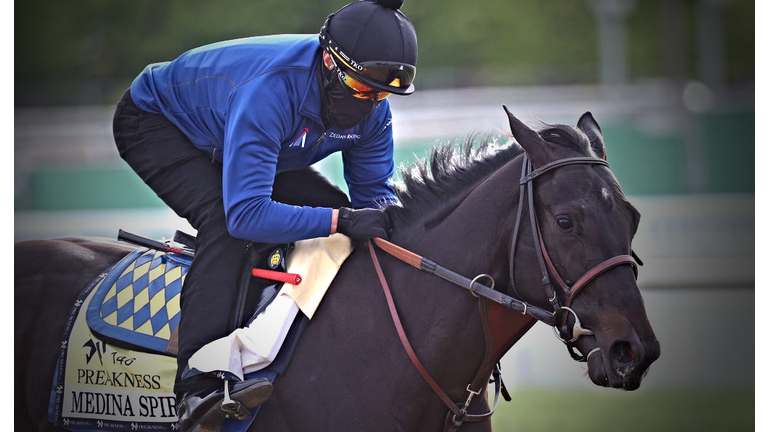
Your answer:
<point x="459" y="411"/>
<point x="404" y="339"/>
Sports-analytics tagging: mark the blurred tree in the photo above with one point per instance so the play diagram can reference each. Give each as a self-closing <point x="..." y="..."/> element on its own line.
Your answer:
<point x="89" y="51"/>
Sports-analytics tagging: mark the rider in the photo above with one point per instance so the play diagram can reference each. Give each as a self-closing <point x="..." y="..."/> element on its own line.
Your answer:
<point x="225" y="136"/>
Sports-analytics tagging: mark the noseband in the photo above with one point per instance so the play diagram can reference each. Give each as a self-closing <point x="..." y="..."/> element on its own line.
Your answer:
<point x="546" y="266"/>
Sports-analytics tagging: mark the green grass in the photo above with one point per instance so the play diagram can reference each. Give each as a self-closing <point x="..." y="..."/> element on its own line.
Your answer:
<point x="705" y="410"/>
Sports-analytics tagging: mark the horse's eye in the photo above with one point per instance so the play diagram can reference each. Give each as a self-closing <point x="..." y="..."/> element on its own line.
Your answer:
<point x="564" y="222"/>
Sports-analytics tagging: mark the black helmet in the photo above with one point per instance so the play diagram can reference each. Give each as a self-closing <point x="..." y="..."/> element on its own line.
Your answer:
<point x="374" y="41"/>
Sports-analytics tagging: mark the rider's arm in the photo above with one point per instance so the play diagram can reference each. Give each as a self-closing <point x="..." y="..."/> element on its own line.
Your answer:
<point x="369" y="164"/>
<point x="255" y="128"/>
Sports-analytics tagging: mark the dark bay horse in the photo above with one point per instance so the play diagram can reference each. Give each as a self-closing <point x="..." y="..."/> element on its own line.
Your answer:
<point x="562" y="245"/>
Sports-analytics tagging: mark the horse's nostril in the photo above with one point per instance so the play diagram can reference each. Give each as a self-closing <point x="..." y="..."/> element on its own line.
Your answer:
<point x="622" y="353"/>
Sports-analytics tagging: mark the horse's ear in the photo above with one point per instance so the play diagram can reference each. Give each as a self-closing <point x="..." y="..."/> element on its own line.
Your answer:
<point x="589" y="126"/>
<point x="533" y="144"/>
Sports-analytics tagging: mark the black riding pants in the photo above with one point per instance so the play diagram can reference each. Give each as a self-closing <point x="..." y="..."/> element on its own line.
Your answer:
<point x="190" y="183"/>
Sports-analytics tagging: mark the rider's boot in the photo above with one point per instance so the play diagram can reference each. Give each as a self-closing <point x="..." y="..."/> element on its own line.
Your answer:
<point x="206" y="411"/>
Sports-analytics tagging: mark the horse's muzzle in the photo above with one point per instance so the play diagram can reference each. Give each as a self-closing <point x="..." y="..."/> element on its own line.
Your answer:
<point x="624" y="364"/>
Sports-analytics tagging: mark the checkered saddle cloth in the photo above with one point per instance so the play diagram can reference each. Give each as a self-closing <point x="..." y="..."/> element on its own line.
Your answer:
<point x="138" y="303"/>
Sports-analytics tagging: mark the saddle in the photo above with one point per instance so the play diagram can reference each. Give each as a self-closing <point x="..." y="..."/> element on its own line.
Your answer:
<point x="137" y="305"/>
<point x="117" y="369"/>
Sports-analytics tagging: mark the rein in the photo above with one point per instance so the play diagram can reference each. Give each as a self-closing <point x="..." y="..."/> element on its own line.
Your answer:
<point x="556" y="319"/>
<point x="473" y="285"/>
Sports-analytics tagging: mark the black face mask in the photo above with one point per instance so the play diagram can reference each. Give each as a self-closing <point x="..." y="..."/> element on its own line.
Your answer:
<point x="341" y="110"/>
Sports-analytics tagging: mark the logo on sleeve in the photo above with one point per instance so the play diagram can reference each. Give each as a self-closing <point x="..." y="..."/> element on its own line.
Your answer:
<point x="301" y="139"/>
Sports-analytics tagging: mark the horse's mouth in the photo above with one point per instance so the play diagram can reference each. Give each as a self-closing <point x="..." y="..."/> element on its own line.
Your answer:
<point x="627" y="368"/>
<point x="620" y="378"/>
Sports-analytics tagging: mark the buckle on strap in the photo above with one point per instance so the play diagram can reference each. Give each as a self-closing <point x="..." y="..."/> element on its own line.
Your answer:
<point x="462" y="416"/>
<point x="471" y="395"/>
<point x="458" y="418"/>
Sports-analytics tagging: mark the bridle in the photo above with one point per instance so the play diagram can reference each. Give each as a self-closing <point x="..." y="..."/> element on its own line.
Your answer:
<point x="547" y="268"/>
<point x="556" y="319"/>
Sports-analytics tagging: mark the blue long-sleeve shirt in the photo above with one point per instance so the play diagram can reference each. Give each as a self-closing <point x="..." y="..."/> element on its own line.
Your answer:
<point x="254" y="105"/>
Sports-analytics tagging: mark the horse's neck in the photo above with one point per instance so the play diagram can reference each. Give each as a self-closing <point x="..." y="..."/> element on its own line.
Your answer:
<point x="473" y="239"/>
<point x="442" y="321"/>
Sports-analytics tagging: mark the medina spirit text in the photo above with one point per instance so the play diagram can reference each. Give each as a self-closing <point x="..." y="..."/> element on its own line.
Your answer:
<point x="122" y="405"/>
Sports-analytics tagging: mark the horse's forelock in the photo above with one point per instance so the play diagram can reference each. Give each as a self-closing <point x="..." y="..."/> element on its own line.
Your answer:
<point x="566" y="136"/>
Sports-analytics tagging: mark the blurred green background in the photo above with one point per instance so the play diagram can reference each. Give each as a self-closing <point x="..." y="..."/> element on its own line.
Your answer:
<point x="88" y="51"/>
<point x="672" y="83"/>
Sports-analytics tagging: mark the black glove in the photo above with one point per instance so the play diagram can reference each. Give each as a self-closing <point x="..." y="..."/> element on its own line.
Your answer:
<point x="362" y="224"/>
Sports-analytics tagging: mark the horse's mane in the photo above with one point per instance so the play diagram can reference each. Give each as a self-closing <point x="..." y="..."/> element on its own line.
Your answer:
<point x="433" y="184"/>
<point x="430" y="184"/>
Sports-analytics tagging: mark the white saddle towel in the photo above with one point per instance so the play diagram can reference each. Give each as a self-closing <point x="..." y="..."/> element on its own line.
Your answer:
<point x="254" y="347"/>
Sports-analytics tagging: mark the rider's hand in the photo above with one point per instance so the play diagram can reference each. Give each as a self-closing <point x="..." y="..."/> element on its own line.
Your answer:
<point x="362" y="224"/>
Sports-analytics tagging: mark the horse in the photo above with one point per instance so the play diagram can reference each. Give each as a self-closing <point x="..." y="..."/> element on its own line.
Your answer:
<point x="560" y="251"/>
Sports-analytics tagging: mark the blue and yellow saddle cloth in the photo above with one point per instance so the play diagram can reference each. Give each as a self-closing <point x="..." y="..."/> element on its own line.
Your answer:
<point x="115" y="370"/>
<point x="139" y="300"/>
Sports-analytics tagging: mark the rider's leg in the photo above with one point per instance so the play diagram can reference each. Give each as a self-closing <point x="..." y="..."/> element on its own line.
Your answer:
<point x="259" y="341"/>
<point x="307" y="187"/>
<point x="190" y="183"/>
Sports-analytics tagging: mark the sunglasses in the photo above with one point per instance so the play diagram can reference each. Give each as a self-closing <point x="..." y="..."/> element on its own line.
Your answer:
<point x="355" y="87"/>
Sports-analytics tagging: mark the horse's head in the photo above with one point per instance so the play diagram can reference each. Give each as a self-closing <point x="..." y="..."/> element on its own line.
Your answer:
<point x="582" y="247"/>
